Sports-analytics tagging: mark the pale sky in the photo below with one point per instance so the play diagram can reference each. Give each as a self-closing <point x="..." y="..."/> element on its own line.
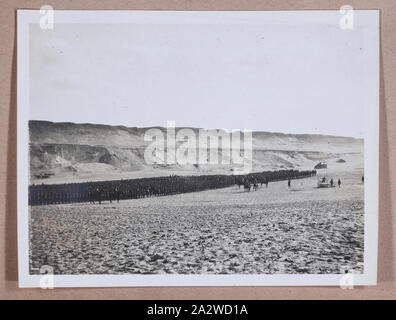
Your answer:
<point x="281" y="78"/>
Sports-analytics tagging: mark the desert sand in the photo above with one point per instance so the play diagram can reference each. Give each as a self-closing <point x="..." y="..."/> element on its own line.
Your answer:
<point x="226" y="231"/>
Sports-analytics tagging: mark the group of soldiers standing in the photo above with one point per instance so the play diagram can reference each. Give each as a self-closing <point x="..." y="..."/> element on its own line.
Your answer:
<point x="97" y="192"/>
<point x="254" y="180"/>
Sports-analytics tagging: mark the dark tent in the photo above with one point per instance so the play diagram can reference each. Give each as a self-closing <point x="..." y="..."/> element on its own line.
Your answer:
<point x="321" y="165"/>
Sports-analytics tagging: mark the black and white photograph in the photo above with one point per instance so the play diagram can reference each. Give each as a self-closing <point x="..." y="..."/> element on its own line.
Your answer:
<point x="197" y="148"/>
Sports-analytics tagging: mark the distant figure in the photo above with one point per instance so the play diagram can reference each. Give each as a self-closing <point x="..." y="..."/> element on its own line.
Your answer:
<point x="362" y="179"/>
<point x="98" y="195"/>
<point x="117" y="194"/>
<point x="324" y="179"/>
<point x="339" y="183"/>
<point x="288" y="183"/>
<point x="331" y="182"/>
<point x="266" y="183"/>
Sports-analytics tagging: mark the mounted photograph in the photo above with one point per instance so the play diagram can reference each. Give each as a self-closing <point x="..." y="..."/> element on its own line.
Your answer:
<point x="192" y="148"/>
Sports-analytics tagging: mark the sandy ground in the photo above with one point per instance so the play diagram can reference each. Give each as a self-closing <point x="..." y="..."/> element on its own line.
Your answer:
<point x="273" y="230"/>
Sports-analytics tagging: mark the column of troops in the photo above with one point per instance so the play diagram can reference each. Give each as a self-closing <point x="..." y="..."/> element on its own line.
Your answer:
<point x="147" y="187"/>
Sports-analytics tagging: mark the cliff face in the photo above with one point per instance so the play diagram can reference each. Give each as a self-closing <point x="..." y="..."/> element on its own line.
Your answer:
<point x="88" y="151"/>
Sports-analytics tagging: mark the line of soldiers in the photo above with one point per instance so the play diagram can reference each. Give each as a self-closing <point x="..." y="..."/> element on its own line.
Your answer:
<point x="97" y="192"/>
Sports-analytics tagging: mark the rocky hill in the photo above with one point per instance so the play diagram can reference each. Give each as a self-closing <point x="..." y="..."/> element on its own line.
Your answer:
<point x="79" y="152"/>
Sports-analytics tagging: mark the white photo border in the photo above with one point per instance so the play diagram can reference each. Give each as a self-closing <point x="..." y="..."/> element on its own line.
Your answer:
<point x="367" y="19"/>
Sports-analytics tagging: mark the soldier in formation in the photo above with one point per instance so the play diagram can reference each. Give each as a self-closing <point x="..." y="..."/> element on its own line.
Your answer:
<point x="97" y="192"/>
